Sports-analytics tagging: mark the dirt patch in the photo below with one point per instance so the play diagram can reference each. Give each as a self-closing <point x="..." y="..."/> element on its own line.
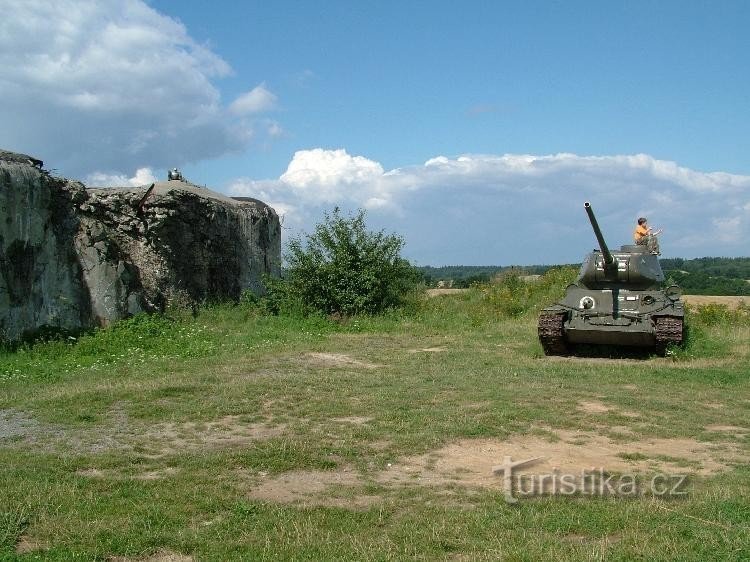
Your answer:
<point x="315" y="488"/>
<point x="471" y="463"/>
<point x="17" y="426"/>
<point x="158" y="474"/>
<point x="172" y="437"/>
<point x="429" y="350"/>
<point x="161" y="555"/>
<point x="27" y="545"/>
<point x="380" y="445"/>
<point x="593" y="407"/>
<point x="596" y="407"/>
<point x="19" y="429"/>
<point x="91" y="473"/>
<point x="338" y="360"/>
<point x="737" y="431"/>
<point x="714" y="405"/>
<point x="702" y="300"/>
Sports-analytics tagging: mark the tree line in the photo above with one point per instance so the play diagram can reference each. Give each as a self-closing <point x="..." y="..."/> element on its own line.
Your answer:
<point x="699" y="276"/>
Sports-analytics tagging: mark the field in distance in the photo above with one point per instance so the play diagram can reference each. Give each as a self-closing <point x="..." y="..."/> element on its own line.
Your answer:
<point x="694" y="300"/>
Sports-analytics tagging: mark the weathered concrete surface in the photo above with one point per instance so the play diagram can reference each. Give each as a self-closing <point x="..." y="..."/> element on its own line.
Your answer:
<point x="72" y="258"/>
<point x="182" y="244"/>
<point x="41" y="281"/>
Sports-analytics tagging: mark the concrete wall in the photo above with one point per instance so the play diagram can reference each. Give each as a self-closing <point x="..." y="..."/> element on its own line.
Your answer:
<point x="73" y="258"/>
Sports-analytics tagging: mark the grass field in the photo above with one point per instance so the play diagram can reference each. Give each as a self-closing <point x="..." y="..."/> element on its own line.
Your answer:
<point x="238" y="435"/>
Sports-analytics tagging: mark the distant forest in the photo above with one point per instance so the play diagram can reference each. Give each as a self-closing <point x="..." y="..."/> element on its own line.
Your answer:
<point x="701" y="276"/>
<point x="709" y="276"/>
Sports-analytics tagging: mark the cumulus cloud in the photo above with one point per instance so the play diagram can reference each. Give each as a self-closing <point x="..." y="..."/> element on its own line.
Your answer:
<point x="328" y="176"/>
<point x="113" y="85"/>
<point x="257" y="100"/>
<point x="517" y="208"/>
<point x="143" y="176"/>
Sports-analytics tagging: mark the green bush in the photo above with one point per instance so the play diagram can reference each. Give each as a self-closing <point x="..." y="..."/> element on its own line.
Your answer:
<point x="511" y="296"/>
<point x="714" y="314"/>
<point x="344" y="268"/>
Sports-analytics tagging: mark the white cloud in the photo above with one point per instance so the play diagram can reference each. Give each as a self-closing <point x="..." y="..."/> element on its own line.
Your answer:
<point x="143" y="176"/>
<point x="515" y="208"/>
<point x="257" y="100"/>
<point x="330" y="175"/>
<point x="274" y="129"/>
<point x="111" y="84"/>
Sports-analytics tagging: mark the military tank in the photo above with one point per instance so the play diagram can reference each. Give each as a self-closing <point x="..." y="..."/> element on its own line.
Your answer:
<point x="617" y="299"/>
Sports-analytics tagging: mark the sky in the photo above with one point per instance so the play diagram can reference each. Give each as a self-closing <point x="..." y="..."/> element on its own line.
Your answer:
<point x="475" y="130"/>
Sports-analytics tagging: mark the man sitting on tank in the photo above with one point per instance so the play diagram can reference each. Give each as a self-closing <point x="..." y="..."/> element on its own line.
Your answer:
<point x="647" y="236"/>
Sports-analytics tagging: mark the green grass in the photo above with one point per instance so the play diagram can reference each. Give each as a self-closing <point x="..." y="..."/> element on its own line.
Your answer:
<point x="111" y="442"/>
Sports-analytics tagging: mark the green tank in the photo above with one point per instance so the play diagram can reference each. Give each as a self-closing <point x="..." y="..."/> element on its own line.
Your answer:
<point x="618" y="299"/>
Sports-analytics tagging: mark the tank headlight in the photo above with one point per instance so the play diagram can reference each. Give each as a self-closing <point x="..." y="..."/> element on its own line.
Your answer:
<point x="673" y="292"/>
<point x="586" y="303"/>
<point x="648" y="300"/>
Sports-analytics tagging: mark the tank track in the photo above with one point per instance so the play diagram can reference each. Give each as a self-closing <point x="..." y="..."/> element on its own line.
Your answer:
<point x="552" y="333"/>
<point x="669" y="330"/>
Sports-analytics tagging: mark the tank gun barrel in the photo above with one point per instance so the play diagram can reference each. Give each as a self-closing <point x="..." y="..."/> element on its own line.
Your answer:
<point x="609" y="260"/>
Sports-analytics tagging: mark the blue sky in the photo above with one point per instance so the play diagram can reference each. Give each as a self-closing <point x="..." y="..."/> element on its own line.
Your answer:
<point x="404" y="81"/>
<point x="474" y="129"/>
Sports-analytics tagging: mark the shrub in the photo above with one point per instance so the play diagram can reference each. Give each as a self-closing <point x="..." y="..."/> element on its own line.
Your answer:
<point x="511" y="296"/>
<point x="344" y="268"/>
<point x="715" y="314"/>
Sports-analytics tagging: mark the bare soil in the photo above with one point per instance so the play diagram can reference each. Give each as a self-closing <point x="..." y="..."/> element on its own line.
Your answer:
<point x="470" y="463"/>
<point x="169" y="438"/>
<point x="593" y="407"/>
<point x="337" y="360"/>
<point x="27" y="545"/>
<point x="156" y="440"/>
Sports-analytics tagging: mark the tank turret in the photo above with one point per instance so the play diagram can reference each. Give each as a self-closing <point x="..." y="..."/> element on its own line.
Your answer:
<point x="617" y="299"/>
<point x="630" y="267"/>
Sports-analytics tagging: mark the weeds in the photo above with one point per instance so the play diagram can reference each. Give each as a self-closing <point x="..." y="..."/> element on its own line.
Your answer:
<point x="12" y="526"/>
<point x="512" y="297"/>
<point x="715" y="314"/>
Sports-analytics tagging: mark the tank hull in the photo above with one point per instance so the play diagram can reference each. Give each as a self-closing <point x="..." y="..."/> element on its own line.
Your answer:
<point x="617" y="316"/>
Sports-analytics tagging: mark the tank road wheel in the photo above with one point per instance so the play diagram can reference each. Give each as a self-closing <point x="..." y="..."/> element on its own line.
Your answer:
<point x="669" y="330"/>
<point x="552" y="334"/>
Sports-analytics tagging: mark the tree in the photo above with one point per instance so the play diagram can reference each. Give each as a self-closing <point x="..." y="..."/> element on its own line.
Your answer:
<point x="343" y="268"/>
